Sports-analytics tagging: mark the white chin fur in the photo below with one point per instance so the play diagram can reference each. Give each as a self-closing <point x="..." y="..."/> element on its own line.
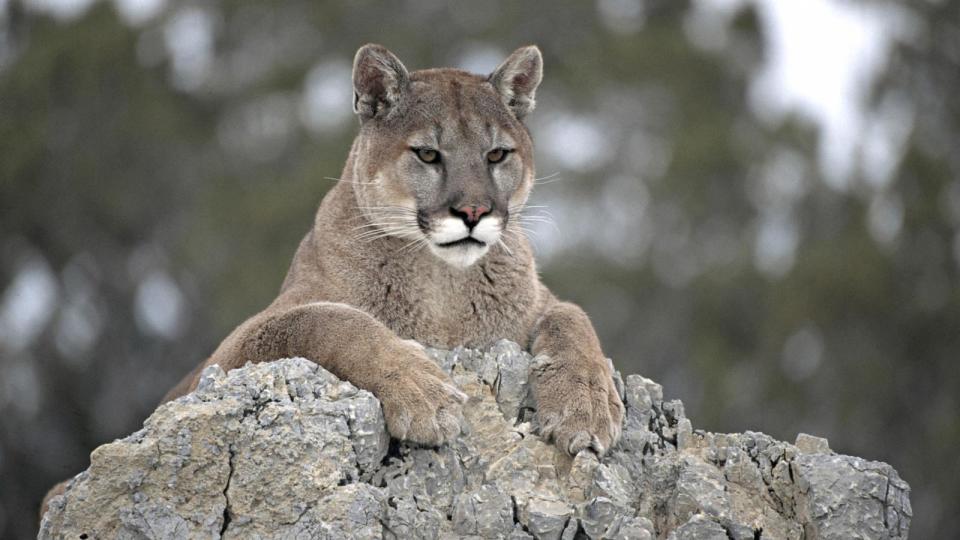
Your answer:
<point x="460" y="256"/>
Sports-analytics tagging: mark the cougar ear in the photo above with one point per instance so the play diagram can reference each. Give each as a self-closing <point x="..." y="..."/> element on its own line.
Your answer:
<point x="379" y="78"/>
<point x="517" y="79"/>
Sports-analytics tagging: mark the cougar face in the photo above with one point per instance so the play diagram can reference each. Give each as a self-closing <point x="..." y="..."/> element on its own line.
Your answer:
<point x="442" y="156"/>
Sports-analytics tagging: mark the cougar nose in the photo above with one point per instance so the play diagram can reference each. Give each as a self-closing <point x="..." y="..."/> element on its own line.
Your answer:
<point x="470" y="214"/>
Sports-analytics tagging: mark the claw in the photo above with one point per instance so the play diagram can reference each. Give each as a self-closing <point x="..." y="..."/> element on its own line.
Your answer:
<point x="449" y="425"/>
<point x="578" y="442"/>
<point x="548" y="423"/>
<point x="401" y="426"/>
<point x="458" y="394"/>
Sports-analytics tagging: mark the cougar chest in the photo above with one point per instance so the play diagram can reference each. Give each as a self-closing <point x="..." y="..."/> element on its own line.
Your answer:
<point x="393" y="295"/>
<point x="482" y="304"/>
<point x="473" y="307"/>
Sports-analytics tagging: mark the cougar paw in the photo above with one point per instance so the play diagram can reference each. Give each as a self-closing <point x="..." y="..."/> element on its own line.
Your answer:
<point x="578" y="408"/>
<point x="420" y="403"/>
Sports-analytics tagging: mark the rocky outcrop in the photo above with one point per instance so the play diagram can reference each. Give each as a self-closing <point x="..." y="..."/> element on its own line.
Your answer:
<point x="287" y="450"/>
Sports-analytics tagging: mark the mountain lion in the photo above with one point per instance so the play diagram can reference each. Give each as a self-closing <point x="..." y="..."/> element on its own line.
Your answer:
<point x="419" y="241"/>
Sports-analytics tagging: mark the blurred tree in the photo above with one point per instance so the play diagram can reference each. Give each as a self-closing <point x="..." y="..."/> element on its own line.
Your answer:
<point x="158" y="167"/>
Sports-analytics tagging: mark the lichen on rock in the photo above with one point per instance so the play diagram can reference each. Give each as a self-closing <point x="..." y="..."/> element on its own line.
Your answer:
<point x="286" y="450"/>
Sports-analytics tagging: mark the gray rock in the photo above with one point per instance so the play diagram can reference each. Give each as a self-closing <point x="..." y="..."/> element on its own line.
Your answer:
<point x="700" y="488"/>
<point x="699" y="527"/>
<point x="485" y="512"/>
<point x="546" y="518"/>
<point x="641" y="394"/>
<point x="571" y="530"/>
<point x="808" y="444"/>
<point x="406" y="520"/>
<point x="287" y="450"/>
<point x="841" y="494"/>
<point x="636" y="528"/>
<point x="601" y="517"/>
<point x="519" y="534"/>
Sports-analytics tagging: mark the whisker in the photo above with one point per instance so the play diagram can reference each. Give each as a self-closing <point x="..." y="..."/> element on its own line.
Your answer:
<point x="371" y="237"/>
<point x="413" y="245"/>
<point x="544" y="216"/>
<point x="515" y="233"/>
<point x="522" y="210"/>
<point x="396" y="228"/>
<point x="350" y="181"/>
<point x="548" y="179"/>
<point x="383" y="224"/>
<point x="391" y="215"/>
<point x="530" y="232"/>
<point x="534" y="223"/>
<point x="535" y="217"/>
<point x="386" y="232"/>
<point x="519" y="229"/>
<point x="375" y="232"/>
<point x="393" y="208"/>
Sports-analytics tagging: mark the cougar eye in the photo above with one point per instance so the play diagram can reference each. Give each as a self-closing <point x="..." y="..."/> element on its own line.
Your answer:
<point x="427" y="155"/>
<point x="498" y="155"/>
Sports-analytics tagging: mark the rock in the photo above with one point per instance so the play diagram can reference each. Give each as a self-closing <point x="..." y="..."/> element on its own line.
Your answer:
<point x="700" y="488"/>
<point x="636" y="528"/>
<point x="601" y="518"/>
<point x="808" y="444"/>
<point x="546" y="518"/>
<point x="286" y="450"/>
<point x="840" y="495"/>
<point x="699" y="527"/>
<point x="485" y="512"/>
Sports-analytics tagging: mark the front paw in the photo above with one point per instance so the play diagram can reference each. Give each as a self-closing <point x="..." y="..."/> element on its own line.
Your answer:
<point x="420" y="402"/>
<point x="578" y="405"/>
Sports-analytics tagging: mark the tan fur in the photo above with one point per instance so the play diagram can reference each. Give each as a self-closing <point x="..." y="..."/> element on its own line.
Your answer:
<point x="364" y="281"/>
<point x="350" y="304"/>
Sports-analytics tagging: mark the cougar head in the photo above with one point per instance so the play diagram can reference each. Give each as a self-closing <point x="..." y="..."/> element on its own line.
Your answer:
<point x="443" y="155"/>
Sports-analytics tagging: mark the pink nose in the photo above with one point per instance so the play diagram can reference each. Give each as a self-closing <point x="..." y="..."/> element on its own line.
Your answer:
<point x="471" y="213"/>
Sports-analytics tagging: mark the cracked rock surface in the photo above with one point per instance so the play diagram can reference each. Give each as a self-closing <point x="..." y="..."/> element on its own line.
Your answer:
<point x="286" y="450"/>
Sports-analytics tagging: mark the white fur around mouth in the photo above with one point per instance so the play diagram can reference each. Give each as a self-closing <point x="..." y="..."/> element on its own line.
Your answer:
<point x="460" y="255"/>
<point x="459" y="246"/>
<point x="449" y="229"/>
<point x="465" y="241"/>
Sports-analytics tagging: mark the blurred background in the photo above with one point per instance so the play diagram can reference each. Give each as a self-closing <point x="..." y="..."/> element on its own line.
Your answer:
<point x="757" y="202"/>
